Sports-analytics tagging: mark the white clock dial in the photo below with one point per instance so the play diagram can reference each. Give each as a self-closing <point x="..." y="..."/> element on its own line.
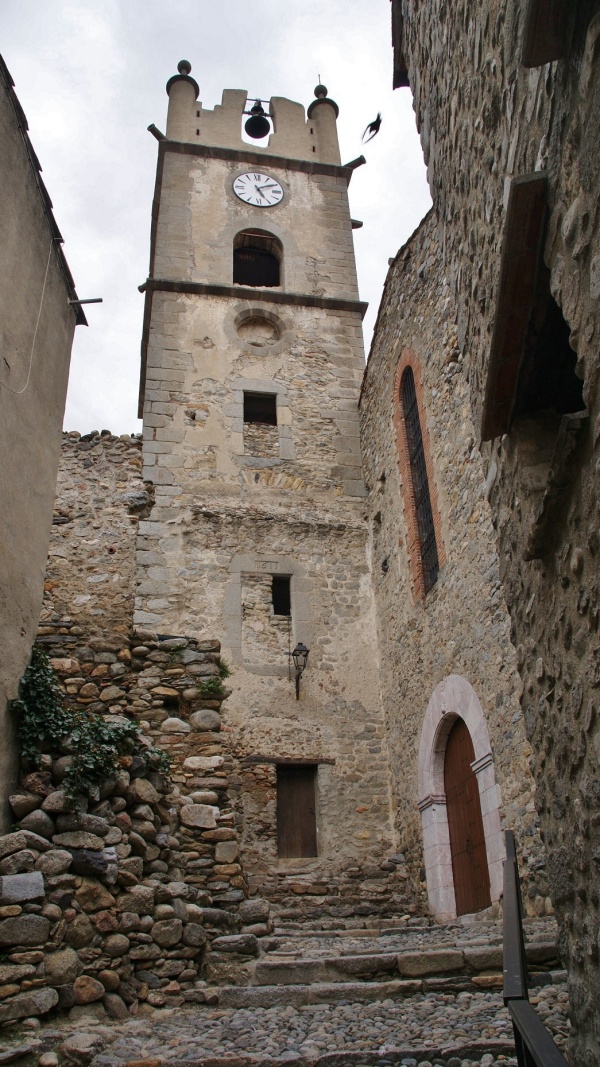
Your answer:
<point x="259" y="190"/>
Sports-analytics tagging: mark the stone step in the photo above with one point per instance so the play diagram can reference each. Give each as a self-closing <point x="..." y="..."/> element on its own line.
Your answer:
<point x="336" y="1026"/>
<point x="502" y="1053"/>
<point x="309" y="941"/>
<point x="274" y="950"/>
<point x="350" y="946"/>
<point x="436" y="962"/>
<point x="268" y="996"/>
<point x="296" y="996"/>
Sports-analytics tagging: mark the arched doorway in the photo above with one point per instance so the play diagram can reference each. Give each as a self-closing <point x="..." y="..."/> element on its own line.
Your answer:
<point x="465" y="824"/>
<point x="454" y="701"/>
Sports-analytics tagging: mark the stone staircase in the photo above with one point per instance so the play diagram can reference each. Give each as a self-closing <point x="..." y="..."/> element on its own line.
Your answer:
<point x="300" y="964"/>
<point x="337" y="993"/>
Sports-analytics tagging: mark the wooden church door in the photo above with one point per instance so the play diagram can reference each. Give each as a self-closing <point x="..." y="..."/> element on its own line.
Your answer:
<point x="465" y="824"/>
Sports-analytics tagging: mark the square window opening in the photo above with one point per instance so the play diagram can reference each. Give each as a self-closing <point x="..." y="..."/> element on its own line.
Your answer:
<point x="260" y="408"/>
<point x="281" y="594"/>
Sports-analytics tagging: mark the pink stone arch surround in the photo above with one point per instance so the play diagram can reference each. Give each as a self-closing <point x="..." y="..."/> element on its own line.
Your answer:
<point x="454" y="698"/>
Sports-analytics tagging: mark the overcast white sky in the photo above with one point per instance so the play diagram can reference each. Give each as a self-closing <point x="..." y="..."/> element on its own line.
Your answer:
<point x="91" y="76"/>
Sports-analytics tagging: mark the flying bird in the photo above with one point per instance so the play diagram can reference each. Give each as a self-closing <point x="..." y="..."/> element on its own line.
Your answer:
<point x="372" y="129"/>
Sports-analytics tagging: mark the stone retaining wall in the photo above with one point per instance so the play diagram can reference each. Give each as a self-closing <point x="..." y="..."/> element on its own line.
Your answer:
<point x="114" y="904"/>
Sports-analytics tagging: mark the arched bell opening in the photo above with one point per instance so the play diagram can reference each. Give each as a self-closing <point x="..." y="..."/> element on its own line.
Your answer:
<point x="457" y="789"/>
<point x="257" y="258"/>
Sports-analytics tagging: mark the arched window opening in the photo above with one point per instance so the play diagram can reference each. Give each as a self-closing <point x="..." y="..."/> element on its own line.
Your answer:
<point x="257" y="259"/>
<point x="420" y="484"/>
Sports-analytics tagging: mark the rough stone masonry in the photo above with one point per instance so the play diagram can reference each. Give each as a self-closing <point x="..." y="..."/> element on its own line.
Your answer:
<point x="501" y="99"/>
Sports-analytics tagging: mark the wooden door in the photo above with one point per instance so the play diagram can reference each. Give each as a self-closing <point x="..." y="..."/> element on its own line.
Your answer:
<point x="296" y="810"/>
<point x="467" y="841"/>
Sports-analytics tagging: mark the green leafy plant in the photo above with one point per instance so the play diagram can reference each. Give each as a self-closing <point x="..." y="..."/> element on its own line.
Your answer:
<point x="224" y="669"/>
<point x="42" y="717"/>
<point x="45" y="722"/>
<point x="211" y="685"/>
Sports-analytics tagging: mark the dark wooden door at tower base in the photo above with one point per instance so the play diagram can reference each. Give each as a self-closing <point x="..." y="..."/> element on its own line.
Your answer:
<point x="296" y="810"/>
<point x="465" y="824"/>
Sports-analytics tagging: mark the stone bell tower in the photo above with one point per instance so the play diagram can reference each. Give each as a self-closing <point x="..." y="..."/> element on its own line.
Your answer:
<point x="252" y="359"/>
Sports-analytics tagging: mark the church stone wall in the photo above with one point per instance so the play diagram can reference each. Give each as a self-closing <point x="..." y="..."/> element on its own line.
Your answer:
<point x="85" y="626"/>
<point x="484" y="117"/>
<point x="462" y="626"/>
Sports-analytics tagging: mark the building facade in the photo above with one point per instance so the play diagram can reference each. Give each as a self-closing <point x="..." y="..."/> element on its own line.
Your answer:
<point x="37" y="324"/>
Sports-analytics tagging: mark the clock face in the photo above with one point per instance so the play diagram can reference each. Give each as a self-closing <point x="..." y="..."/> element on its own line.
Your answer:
<point x="256" y="189"/>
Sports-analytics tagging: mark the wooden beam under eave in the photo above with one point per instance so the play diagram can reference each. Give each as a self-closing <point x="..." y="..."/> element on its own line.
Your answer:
<point x="545" y="33"/>
<point x="400" y="69"/>
<point x="521" y="254"/>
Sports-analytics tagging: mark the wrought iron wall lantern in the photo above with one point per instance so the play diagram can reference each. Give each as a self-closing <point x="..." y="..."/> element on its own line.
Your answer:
<point x="299" y="656"/>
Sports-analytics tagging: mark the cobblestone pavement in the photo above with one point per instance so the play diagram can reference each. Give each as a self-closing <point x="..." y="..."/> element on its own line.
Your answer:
<point x="455" y="1030"/>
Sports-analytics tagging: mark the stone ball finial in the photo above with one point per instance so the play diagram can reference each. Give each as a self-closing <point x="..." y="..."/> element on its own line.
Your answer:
<point x="183" y="75"/>
<point x="322" y="98"/>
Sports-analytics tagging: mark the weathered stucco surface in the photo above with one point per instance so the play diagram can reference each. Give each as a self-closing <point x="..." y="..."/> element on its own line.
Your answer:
<point x="484" y="118"/>
<point x="36" y="333"/>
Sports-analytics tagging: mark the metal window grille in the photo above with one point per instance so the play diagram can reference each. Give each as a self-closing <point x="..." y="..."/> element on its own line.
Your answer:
<point x="420" y="484"/>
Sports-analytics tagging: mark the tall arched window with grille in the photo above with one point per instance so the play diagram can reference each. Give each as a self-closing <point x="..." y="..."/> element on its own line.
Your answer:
<point x="419" y="480"/>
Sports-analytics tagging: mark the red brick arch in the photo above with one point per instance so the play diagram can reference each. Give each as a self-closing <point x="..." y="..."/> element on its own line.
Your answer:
<point x="408" y="358"/>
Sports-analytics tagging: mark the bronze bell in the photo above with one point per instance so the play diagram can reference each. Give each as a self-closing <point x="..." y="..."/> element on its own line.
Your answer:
<point x="257" y="125"/>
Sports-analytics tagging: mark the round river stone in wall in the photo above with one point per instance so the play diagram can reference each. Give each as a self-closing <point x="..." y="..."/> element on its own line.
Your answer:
<point x="175" y="726"/>
<point x="205" y="719"/>
<point x="61" y="967"/>
<point x="198" y="815"/>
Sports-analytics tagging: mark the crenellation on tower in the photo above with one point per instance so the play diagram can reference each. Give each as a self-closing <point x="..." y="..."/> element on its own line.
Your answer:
<point x="296" y="134"/>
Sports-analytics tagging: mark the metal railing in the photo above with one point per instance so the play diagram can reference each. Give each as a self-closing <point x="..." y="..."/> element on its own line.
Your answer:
<point x="534" y="1044"/>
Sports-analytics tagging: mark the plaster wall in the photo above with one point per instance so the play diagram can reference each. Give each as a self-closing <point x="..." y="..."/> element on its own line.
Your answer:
<point x="36" y="333"/>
